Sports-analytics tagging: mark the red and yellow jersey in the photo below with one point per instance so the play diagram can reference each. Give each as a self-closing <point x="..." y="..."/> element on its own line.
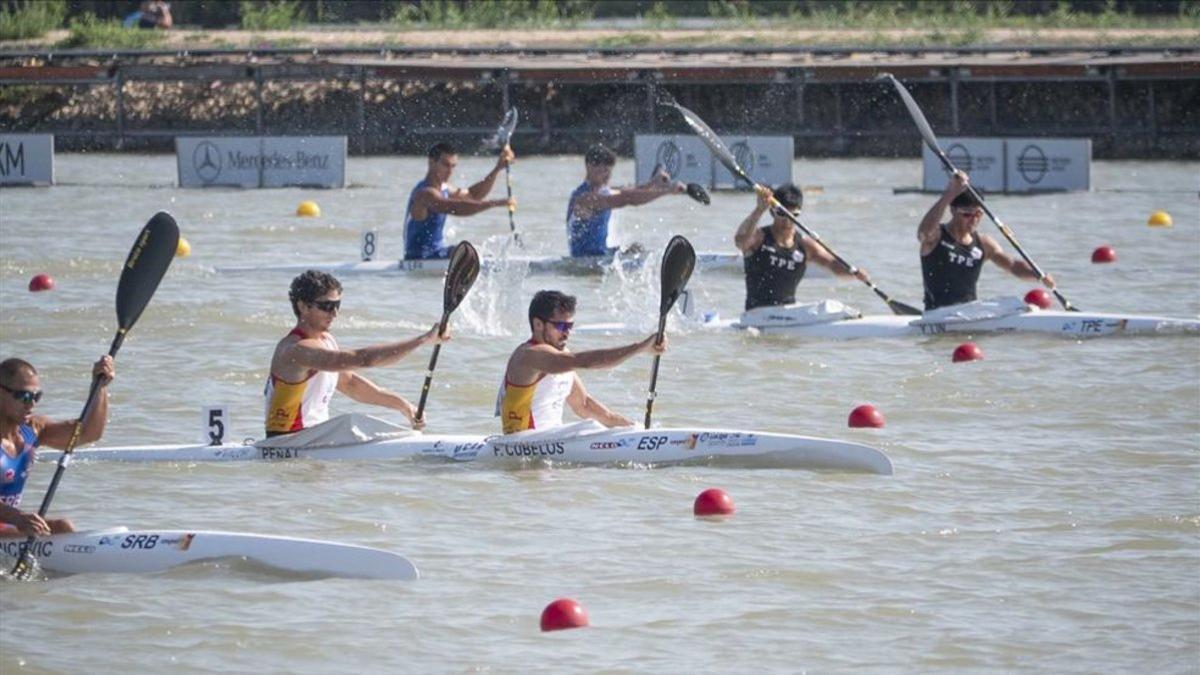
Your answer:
<point x="292" y="406"/>
<point x="534" y="406"/>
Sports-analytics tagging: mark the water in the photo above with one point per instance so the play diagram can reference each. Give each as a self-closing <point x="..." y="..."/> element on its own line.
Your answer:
<point x="1043" y="516"/>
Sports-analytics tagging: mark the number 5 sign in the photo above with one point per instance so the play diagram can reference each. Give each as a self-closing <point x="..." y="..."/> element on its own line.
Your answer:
<point x="213" y="421"/>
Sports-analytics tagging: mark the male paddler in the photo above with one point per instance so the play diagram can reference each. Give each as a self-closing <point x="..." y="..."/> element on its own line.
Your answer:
<point x="22" y="432"/>
<point x="308" y="365"/>
<point x="541" y="376"/>
<point x="952" y="254"/>
<point x="777" y="255"/>
<point x="591" y="205"/>
<point x="434" y="198"/>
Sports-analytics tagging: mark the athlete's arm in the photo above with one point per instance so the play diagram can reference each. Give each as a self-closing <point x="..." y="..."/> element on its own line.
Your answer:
<point x="546" y="359"/>
<point x="484" y="187"/>
<point x="821" y="256"/>
<point x="363" y="390"/>
<point x="458" y="204"/>
<point x="27" y="523"/>
<point x="748" y="237"/>
<point x="583" y="405"/>
<point x="58" y="434"/>
<point x="930" y="229"/>
<point x="1017" y="268"/>
<point x="633" y="196"/>
<point x="314" y="355"/>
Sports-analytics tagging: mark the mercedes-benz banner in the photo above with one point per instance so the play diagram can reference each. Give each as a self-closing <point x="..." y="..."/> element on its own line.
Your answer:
<point x="258" y="162"/>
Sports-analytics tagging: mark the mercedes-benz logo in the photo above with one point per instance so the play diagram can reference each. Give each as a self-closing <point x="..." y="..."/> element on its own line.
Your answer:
<point x="206" y="160"/>
<point x="670" y="157"/>
<point x="960" y="157"/>
<point x="1032" y="164"/>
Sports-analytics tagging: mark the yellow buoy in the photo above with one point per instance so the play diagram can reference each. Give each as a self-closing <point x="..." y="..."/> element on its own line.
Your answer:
<point x="1160" y="219"/>
<point x="308" y="209"/>
<point x="183" y="249"/>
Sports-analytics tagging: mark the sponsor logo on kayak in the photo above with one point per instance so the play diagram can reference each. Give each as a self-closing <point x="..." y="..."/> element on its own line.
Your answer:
<point x="528" y="449"/>
<point x="182" y="543"/>
<point x="42" y="548"/>
<point x="239" y="452"/>
<point x="605" y="445"/>
<point x="688" y="441"/>
<point x="111" y="540"/>
<point x="727" y="439"/>
<point x="79" y="548"/>
<point x="651" y="442"/>
<point x="280" y="453"/>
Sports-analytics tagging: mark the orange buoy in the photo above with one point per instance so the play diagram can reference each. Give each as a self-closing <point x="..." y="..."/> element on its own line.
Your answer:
<point x="713" y="502"/>
<point x="562" y="614"/>
<point x="967" y="351"/>
<point x="866" y="416"/>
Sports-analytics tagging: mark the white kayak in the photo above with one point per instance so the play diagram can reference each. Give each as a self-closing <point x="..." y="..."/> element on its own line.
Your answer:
<point x="581" y="443"/>
<point x="832" y="319"/>
<point x="120" y="550"/>
<point x="725" y="262"/>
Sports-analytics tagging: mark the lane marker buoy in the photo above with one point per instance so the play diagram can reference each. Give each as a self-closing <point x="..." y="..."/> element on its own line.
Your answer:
<point x="866" y="416"/>
<point x="562" y="614"/>
<point x="713" y="502"/>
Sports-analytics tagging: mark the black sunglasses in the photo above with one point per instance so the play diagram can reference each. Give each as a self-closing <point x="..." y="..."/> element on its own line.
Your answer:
<point x="23" y="395"/>
<point x="327" y="305"/>
<point x="562" y="326"/>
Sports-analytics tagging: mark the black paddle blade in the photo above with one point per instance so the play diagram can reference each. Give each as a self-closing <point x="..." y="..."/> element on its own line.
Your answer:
<point x="696" y="191"/>
<point x="145" y="267"/>
<point x="915" y="111"/>
<point x="679" y="259"/>
<point x="901" y="309"/>
<point x="460" y="275"/>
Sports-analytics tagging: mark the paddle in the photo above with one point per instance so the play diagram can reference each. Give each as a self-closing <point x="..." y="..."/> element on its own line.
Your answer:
<point x="148" y="261"/>
<point x="503" y="137"/>
<point x="694" y="190"/>
<point x="460" y="276"/>
<point x="679" y="259"/>
<point x="930" y="140"/>
<point x="717" y="146"/>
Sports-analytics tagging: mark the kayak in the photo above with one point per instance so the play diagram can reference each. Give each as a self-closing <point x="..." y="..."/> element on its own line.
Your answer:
<point x="832" y="319"/>
<point x="587" y="265"/>
<point x="583" y="443"/>
<point x="121" y="550"/>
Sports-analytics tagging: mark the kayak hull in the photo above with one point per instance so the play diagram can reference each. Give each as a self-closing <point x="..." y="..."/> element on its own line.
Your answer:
<point x="120" y="550"/>
<point x="654" y="447"/>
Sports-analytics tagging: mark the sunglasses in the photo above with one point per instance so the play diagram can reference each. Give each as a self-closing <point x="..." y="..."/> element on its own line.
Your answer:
<point x="969" y="213"/>
<point x="329" y="306"/>
<point x="561" y="326"/>
<point x="23" y="395"/>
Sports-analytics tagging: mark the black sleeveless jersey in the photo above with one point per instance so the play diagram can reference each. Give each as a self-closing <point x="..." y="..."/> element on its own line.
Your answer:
<point x="773" y="272"/>
<point x="951" y="271"/>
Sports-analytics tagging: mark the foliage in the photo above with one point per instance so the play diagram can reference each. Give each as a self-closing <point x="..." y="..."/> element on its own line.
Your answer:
<point x="459" y="14"/>
<point x="270" y="15"/>
<point x="89" y="31"/>
<point x="31" y="18"/>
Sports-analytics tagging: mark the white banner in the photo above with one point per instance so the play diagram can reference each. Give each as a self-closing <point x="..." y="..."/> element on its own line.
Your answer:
<point x="1051" y="164"/>
<point x="26" y="159"/>
<point x="981" y="158"/>
<point x="269" y="161"/>
<point x="766" y="159"/>
<point x="686" y="158"/>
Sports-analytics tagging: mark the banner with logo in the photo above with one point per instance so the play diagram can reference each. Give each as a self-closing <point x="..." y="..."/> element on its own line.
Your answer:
<point x="1014" y="164"/>
<point x="26" y="159"/>
<point x="686" y="158"/>
<point x="766" y="159"/>
<point x="257" y="162"/>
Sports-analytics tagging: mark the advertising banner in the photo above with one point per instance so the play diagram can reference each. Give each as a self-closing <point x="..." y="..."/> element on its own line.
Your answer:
<point x="254" y="162"/>
<point x="981" y="158"/>
<point x="26" y="159"/>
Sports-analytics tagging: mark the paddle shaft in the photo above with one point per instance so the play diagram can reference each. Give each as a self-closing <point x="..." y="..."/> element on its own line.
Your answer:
<point x="65" y="459"/>
<point x="1004" y="229"/>
<point x="662" y="329"/>
<point x="432" y="364"/>
<point x="512" y="226"/>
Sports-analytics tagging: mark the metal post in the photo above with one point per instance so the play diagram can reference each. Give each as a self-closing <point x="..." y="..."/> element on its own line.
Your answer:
<point x="546" y="117"/>
<point x="258" y="97"/>
<point x="800" y="102"/>
<point x="1153" y="110"/>
<point x="650" y="107"/>
<point x="120" y="84"/>
<point x="992" y="105"/>
<point x="1112" y="101"/>
<point x="954" y="100"/>
<point x="362" y="110"/>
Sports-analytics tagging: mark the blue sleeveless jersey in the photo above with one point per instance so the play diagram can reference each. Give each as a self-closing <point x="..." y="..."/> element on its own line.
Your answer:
<point x="14" y="470"/>
<point x="588" y="236"/>
<point x="423" y="238"/>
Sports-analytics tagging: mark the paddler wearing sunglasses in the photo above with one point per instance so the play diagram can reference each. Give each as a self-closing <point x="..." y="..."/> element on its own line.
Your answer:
<point x="22" y="432"/>
<point x="308" y="365"/>
<point x="776" y="256"/>
<point x="541" y="378"/>
<point x="952" y="254"/>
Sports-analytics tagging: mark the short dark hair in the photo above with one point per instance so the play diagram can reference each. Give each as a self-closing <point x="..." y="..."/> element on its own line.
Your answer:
<point x="599" y="155"/>
<point x="966" y="200"/>
<point x="439" y="150"/>
<point x="789" y="196"/>
<point x="309" y="286"/>
<point x="545" y="303"/>
<point x="10" y="367"/>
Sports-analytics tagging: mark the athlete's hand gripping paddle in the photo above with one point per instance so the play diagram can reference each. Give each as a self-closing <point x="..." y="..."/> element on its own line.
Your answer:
<point x="461" y="273"/>
<point x="722" y="153"/>
<point x="144" y="268"/>
<point x="918" y="117"/>
<point x="679" y="259"/>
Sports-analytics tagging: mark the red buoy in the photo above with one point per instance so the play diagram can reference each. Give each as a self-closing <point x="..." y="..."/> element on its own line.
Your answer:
<point x="41" y="282"/>
<point x="713" y="502"/>
<point x="866" y="415"/>
<point x="967" y="351"/>
<point x="1104" y="254"/>
<point x="562" y="614"/>
<point x="1038" y="297"/>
